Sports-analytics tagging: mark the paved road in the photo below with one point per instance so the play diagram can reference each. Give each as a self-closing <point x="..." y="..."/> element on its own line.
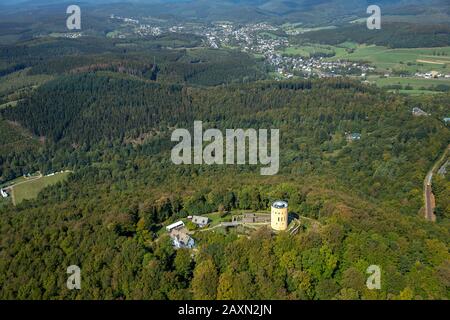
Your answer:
<point x="429" y="203"/>
<point x="428" y="191"/>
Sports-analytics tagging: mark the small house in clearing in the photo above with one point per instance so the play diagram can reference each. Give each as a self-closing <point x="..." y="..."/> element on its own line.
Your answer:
<point x="200" y="221"/>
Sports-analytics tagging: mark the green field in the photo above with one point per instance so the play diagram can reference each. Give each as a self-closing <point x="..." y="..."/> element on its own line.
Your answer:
<point x="416" y="84"/>
<point x="416" y="92"/>
<point x="269" y="35"/>
<point x="396" y="61"/>
<point x="297" y="28"/>
<point x="30" y="189"/>
<point x="12" y="182"/>
<point x="308" y="50"/>
<point x="410" y="60"/>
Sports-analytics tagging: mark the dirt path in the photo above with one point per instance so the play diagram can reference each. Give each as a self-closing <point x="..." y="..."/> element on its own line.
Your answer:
<point x="431" y="61"/>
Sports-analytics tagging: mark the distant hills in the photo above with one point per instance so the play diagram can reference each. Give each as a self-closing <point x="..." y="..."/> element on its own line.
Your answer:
<point x="306" y="11"/>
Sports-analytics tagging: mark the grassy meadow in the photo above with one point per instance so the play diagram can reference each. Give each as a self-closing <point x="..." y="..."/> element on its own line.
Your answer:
<point x="30" y="189"/>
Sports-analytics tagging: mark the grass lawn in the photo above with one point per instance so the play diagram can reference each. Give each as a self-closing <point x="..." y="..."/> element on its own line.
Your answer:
<point x="216" y="219"/>
<point x="31" y="189"/>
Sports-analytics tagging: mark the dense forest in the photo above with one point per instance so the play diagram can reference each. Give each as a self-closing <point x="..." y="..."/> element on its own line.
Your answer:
<point x="105" y="108"/>
<point x="366" y="195"/>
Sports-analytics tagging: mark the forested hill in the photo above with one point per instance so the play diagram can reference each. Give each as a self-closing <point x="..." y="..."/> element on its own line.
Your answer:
<point x="310" y="12"/>
<point x="392" y="35"/>
<point x="80" y="115"/>
<point x="113" y="129"/>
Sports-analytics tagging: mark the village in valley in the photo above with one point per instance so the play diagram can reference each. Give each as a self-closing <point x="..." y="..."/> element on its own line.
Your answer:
<point x="274" y="45"/>
<point x="259" y="39"/>
<point x="285" y="58"/>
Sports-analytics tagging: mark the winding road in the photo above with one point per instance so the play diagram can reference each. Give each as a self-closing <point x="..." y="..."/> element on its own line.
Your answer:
<point x="428" y="195"/>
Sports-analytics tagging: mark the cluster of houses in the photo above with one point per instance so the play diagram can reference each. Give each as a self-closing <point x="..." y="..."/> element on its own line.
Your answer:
<point x="432" y="75"/>
<point x="315" y="66"/>
<point x="148" y="30"/>
<point x="179" y="234"/>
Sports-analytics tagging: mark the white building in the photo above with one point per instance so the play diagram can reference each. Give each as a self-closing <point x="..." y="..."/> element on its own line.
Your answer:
<point x="174" y="226"/>
<point x="419" y="112"/>
<point x="200" y="221"/>
<point x="181" y="239"/>
<point x="4" y="193"/>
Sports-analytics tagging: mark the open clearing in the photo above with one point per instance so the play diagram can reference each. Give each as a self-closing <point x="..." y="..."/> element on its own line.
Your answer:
<point x="308" y="50"/>
<point x="432" y="61"/>
<point x="404" y="59"/>
<point x="30" y="189"/>
<point x="416" y="83"/>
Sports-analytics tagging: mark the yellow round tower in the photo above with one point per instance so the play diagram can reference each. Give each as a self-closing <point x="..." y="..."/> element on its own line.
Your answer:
<point x="279" y="215"/>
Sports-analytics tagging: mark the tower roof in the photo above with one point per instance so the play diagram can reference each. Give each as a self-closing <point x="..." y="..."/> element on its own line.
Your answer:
<point x="279" y="204"/>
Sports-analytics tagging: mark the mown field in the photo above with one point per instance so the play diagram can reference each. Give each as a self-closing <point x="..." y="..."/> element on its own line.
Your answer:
<point x="31" y="189"/>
